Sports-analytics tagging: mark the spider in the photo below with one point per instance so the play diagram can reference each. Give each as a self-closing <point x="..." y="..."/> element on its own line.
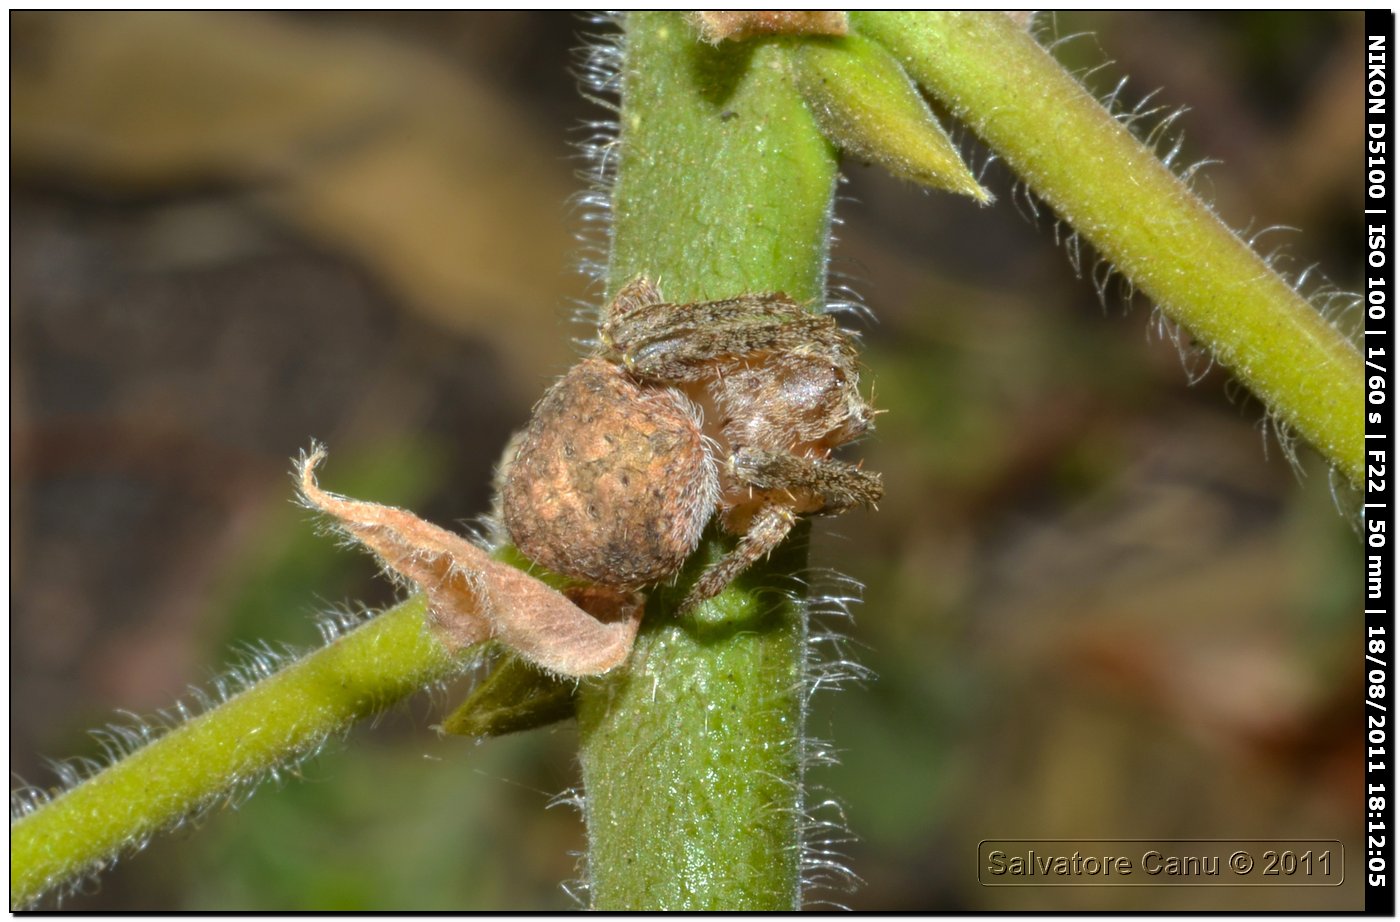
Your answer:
<point x="685" y="412"/>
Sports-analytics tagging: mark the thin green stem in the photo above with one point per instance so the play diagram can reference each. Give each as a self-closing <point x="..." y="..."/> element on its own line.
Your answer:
<point x="205" y="759"/>
<point x="1119" y="196"/>
<point x="692" y="752"/>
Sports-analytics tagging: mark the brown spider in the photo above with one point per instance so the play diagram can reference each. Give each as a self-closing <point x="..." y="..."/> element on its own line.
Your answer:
<point x="684" y="411"/>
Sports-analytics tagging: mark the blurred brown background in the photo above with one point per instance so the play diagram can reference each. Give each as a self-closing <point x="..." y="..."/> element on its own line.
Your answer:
<point x="1096" y="606"/>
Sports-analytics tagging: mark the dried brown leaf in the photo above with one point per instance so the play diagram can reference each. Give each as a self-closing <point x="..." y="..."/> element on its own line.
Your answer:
<point x="736" y="25"/>
<point x="472" y="597"/>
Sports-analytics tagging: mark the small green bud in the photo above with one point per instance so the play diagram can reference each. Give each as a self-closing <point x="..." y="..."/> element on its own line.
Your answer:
<point x="515" y="696"/>
<point x="867" y="106"/>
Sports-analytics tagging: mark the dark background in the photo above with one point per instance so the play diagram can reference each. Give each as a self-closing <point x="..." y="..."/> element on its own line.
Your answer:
<point x="1099" y="604"/>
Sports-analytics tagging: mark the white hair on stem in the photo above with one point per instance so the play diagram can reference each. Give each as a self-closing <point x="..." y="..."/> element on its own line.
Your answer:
<point x="1154" y="125"/>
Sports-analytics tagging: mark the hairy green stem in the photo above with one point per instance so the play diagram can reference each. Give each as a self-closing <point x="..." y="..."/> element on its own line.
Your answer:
<point x="1119" y="196"/>
<point x="692" y="752"/>
<point x="198" y="762"/>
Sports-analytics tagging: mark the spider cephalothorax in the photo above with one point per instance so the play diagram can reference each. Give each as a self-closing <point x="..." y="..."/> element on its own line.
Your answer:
<point x="683" y="412"/>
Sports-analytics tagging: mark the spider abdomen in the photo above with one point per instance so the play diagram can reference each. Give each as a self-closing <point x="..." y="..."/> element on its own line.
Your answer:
<point x="613" y="481"/>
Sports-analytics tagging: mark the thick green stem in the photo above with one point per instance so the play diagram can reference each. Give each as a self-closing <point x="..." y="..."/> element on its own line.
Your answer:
<point x="692" y="752"/>
<point x="195" y="764"/>
<point x="1118" y="195"/>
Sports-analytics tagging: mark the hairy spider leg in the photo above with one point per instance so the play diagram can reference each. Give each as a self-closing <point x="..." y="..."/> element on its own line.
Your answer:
<point x="835" y="485"/>
<point x="770" y="525"/>
<point x="635" y="295"/>
<point x="665" y="343"/>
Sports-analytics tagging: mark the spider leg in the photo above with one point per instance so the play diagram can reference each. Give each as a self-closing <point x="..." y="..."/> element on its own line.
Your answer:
<point x="770" y="525"/>
<point x="632" y="319"/>
<point x="676" y="343"/>
<point x="636" y="294"/>
<point x="834" y="486"/>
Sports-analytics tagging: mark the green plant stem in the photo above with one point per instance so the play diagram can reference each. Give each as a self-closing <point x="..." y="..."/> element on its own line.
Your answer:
<point x="198" y="762"/>
<point x="692" y="752"/>
<point x="1116" y="193"/>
